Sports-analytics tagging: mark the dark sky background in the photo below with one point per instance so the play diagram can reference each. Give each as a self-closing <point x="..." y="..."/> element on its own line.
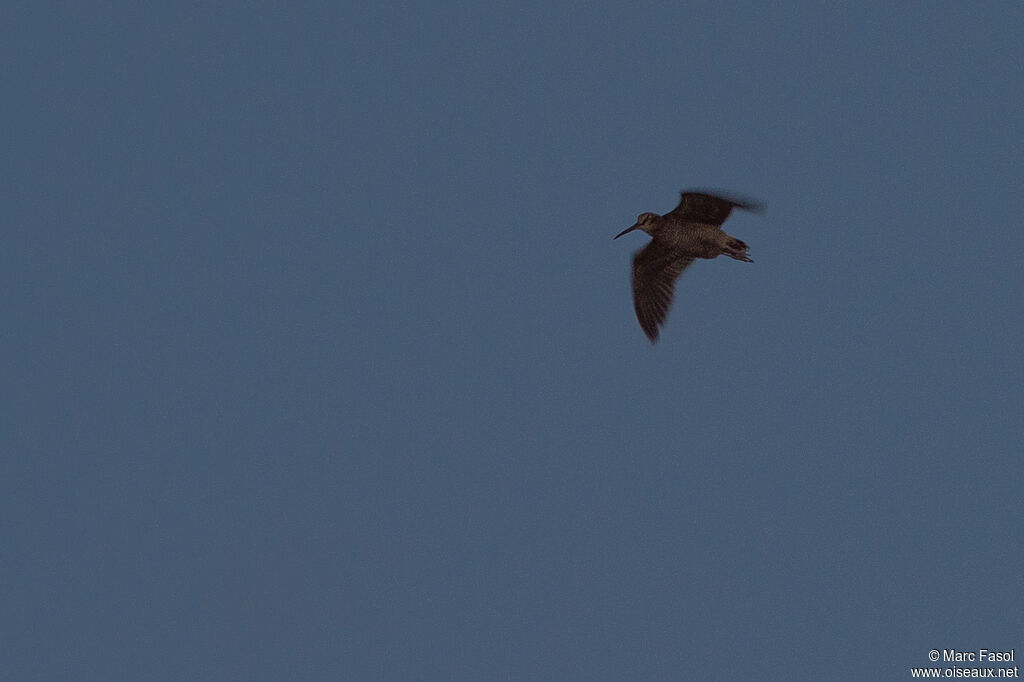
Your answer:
<point x="319" y="360"/>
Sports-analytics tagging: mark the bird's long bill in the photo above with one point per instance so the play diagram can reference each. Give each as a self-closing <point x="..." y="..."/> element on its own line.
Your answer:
<point x="628" y="229"/>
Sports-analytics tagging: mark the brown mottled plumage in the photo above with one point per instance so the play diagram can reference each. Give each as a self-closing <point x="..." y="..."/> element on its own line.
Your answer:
<point x="691" y="230"/>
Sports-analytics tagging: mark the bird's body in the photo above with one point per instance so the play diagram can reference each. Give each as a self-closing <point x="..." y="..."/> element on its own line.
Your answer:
<point x="692" y="230"/>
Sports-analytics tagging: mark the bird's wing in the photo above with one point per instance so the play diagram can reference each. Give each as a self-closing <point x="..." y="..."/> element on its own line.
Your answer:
<point x="698" y="207"/>
<point x="656" y="268"/>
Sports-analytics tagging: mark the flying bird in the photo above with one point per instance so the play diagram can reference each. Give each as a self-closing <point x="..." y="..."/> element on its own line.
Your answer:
<point x="693" y="229"/>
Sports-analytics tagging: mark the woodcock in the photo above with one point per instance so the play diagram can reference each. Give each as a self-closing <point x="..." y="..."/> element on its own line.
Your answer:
<point x="693" y="229"/>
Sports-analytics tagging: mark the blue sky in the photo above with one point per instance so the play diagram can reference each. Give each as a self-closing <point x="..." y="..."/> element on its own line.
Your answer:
<point x="320" y="361"/>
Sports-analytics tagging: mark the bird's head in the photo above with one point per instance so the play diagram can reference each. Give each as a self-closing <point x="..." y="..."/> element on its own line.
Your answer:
<point x="644" y="221"/>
